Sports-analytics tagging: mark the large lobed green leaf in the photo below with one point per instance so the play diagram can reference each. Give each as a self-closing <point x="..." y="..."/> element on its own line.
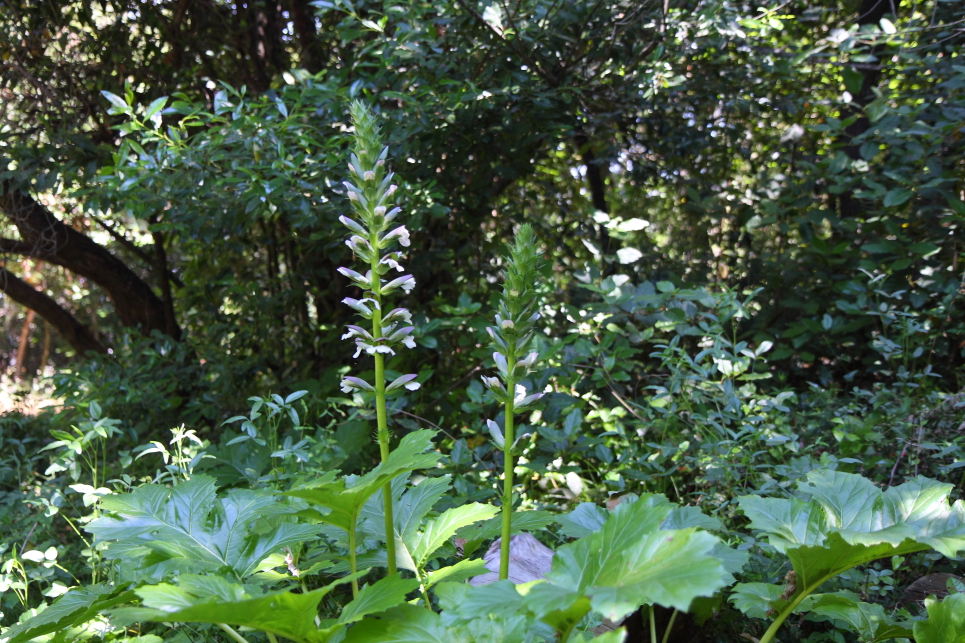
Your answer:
<point x="630" y="562"/>
<point x="588" y="517"/>
<point x="868" y="620"/>
<point x="344" y="499"/>
<point x="843" y="520"/>
<point x="853" y="507"/>
<point x="77" y="606"/>
<point x="213" y="599"/>
<point x="377" y="597"/>
<point x="188" y="529"/>
<point x="410" y="505"/>
<point x="410" y="624"/>
<point x="945" y="623"/>
<point x="418" y="548"/>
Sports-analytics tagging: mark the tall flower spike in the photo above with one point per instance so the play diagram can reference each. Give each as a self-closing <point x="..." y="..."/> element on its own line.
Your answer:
<point x="368" y="191"/>
<point x="512" y="335"/>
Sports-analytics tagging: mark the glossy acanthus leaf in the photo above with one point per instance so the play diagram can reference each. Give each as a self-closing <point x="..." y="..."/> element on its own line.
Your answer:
<point x="868" y="620"/>
<point x="945" y="622"/>
<point x="293" y="615"/>
<point x="344" y="502"/>
<point x="630" y="562"/>
<point x="842" y="520"/>
<point x="188" y="528"/>
<point x="78" y="606"/>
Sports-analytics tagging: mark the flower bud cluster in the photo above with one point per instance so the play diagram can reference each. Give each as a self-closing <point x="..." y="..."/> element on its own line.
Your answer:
<point x="373" y="230"/>
<point x="512" y="333"/>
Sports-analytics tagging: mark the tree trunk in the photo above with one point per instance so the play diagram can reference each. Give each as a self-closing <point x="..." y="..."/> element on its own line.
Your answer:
<point x="164" y="281"/>
<point x="45" y="237"/>
<point x="75" y="333"/>
<point x="303" y="20"/>
<point x="594" y="178"/>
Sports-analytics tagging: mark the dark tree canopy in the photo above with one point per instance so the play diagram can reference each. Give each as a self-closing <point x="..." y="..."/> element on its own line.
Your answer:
<point x="786" y="150"/>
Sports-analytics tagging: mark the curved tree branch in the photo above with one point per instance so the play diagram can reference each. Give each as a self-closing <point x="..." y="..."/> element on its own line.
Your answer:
<point x="133" y="299"/>
<point x="75" y="333"/>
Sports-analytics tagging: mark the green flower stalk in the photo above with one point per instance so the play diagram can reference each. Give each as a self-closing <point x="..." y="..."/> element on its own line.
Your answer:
<point x="373" y="231"/>
<point x="512" y="336"/>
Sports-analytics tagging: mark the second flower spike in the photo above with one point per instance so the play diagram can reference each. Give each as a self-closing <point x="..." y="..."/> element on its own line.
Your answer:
<point x="512" y="336"/>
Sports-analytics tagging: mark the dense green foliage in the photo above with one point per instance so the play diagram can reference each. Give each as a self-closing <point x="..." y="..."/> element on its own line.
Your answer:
<point x="693" y="262"/>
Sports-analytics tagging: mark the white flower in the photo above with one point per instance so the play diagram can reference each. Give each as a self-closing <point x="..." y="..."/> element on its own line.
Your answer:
<point x="397" y="314"/>
<point x="352" y="225"/>
<point x="369" y="175"/>
<point x="507" y="324"/>
<point x="409" y="342"/>
<point x="501" y="364"/>
<point x="391" y="190"/>
<point x="362" y="306"/>
<point x="371" y="348"/>
<point x="355" y="166"/>
<point x="399" y="233"/>
<point x="356" y="277"/>
<point x="520" y="399"/>
<point x="350" y="384"/>
<point x="379" y="211"/>
<point x="390" y="261"/>
<point x="355" y="194"/>
<point x="400" y="334"/>
<point x="496" y="338"/>
<point x="360" y="247"/>
<point x="357" y="331"/>
<point x="407" y="283"/>
<point x="496" y="433"/>
<point x="493" y="383"/>
<point x="527" y="362"/>
<point x="392" y="214"/>
<point x="403" y="380"/>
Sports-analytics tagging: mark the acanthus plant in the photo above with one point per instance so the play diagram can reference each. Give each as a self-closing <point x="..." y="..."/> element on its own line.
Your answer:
<point x="370" y="191"/>
<point x="512" y="337"/>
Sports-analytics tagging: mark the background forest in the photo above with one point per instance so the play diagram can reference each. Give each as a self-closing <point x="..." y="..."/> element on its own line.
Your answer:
<point x="747" y="218"/>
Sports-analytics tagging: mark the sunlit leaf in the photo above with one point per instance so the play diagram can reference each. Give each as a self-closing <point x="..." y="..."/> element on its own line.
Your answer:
<point x="213" y="599"/>
<point x="843" y="520"/>
<point x="188" y="528"/>
<point x="945" y="623"/>
<point x="77" y="606"/>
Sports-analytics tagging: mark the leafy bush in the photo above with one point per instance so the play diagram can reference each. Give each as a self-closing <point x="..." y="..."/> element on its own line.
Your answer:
<point x="259" y="535"/>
